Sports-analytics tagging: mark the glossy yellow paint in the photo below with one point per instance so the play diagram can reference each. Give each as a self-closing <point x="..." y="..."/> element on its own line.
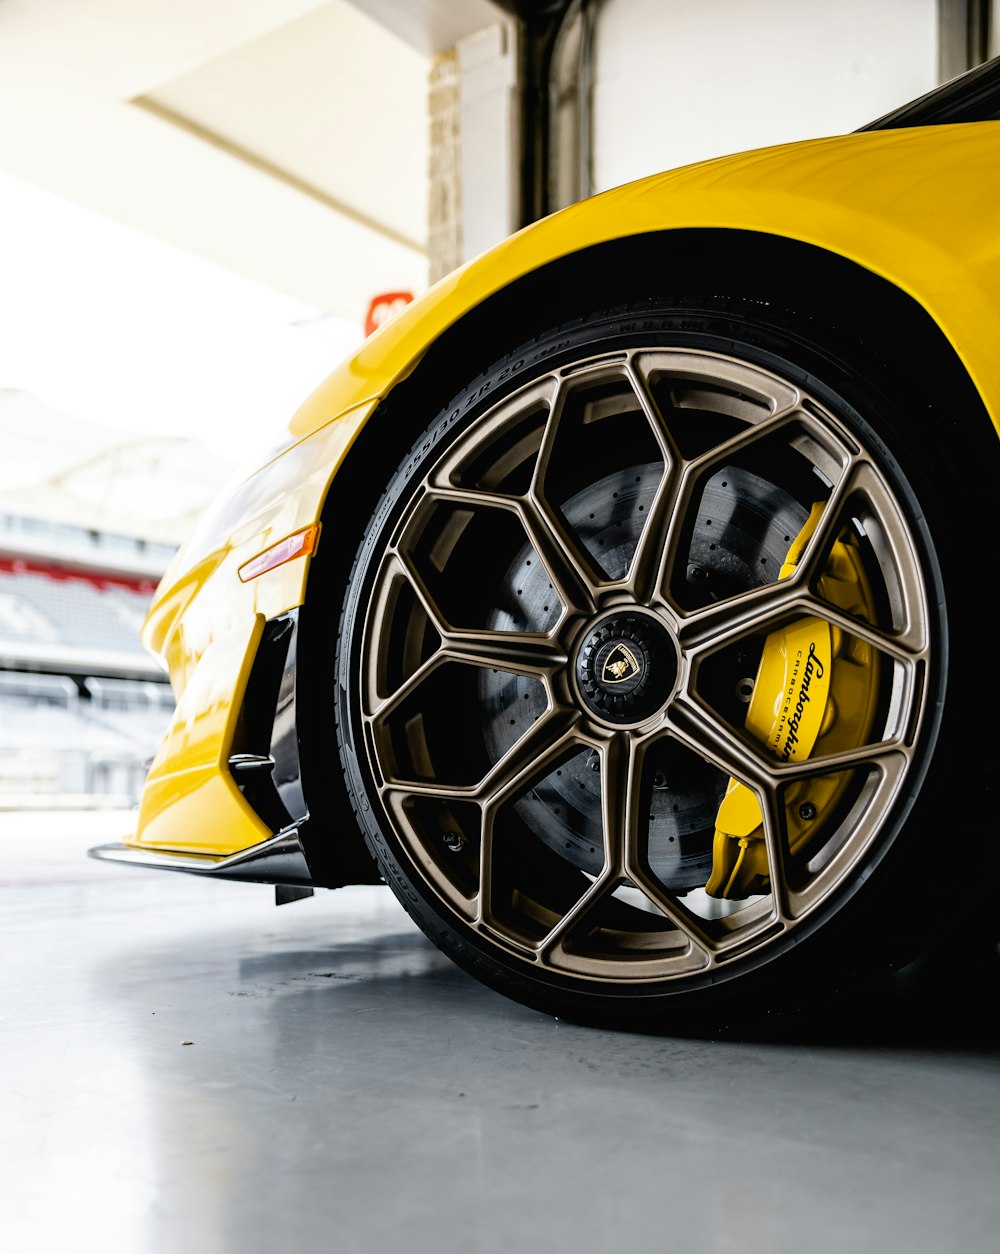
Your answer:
<point x="206" y="624"/>
<point x="189" y="779"/>
<point x="921" y="208"/>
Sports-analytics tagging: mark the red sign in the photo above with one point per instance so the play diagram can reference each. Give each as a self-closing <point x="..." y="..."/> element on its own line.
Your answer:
<point x="385" y="307"/>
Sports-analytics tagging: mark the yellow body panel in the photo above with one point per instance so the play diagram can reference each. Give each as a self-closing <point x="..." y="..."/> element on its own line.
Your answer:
<point x="189" y="774"/>
<point x="921" y="208"/>
<point x="206" y="624"/>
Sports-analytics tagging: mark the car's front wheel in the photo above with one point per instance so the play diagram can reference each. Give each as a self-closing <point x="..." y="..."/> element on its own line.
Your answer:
<point x="643" y="666"/>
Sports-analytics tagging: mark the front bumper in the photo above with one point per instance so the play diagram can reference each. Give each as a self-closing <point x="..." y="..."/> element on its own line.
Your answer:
<point x="279" y="860"/>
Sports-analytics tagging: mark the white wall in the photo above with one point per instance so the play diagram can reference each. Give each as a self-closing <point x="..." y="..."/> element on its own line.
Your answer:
<point x="488" y="141"/>
<point x="682" y="80"/>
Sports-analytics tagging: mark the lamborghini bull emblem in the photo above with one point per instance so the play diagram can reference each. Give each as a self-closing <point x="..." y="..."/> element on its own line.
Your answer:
<point x="621" y="664"/>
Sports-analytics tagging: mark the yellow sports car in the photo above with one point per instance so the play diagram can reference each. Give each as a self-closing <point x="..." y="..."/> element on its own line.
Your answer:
<point x="621" y="603"/>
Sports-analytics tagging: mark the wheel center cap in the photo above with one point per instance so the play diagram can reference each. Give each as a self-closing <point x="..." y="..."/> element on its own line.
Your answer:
<point x="626" y="667"/>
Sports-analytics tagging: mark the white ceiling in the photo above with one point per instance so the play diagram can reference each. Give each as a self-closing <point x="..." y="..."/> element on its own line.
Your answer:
<point x="330" y="101"/>
<point x="432" y="25"/>
<point x="284" y="139"/>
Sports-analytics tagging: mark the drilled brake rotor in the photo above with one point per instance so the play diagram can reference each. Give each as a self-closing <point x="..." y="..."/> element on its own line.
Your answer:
<point x="739" y="541"/>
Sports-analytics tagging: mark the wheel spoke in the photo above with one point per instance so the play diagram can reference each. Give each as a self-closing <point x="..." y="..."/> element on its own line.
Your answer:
<point x="521" y="653"/>
<point x="485" y="895"/>
<point x="569" y="568"/>
<point x="557" y="552"/>
<point x="750" y="435"/>
<point x="898" y="648"/>
<point x="704" y="734"/>
<point x="653" y="551"/>
<point x="653" y="560"/>
<point x="885" y="771"/>
<point x="475" y="498"/>
<point x="724" y="622"/>
<point x="619" y="799"/>
<point x="548" y="537"/>
<point x="635" y="857"/>
<point x="407" y="688"/>
<point x="885" y="754"/>
<point x="817" y="551"/>
<point x="664" y="436"/>
<point x="529" y="758"/>
<point x="660" y="547"/>
<point x="779" y="395"/>
<point x="537" y="752"/>
<point x="550" y="433"/>
<point x="621" y="768"/>
<point x="510" y="651"/>
<point x="429" y="788"/>
<point x="594" y="895"/>
<point x="673" y="911"/>
<point x="448" y="474"/>
<point x="422" y="592"/>
<point x="776" y="841"/>
<point x="861" y="481"/>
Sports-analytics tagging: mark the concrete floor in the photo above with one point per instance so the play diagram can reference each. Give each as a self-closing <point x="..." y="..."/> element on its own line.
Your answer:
<point x="347" y="1089"/>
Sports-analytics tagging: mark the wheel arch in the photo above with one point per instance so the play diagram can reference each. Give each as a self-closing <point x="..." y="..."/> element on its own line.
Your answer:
<point x="718" y="261"/>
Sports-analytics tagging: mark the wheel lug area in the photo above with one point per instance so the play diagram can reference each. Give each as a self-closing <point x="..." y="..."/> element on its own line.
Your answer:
<point x="626" y="666"/>
<point x="744" y="690"/>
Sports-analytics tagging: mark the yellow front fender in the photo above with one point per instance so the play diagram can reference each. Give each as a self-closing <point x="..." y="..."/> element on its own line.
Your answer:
<point x="920" y="208"/>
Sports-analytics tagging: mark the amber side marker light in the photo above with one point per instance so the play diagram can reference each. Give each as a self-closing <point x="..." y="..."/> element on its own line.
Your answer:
<point x="300" y="544"/>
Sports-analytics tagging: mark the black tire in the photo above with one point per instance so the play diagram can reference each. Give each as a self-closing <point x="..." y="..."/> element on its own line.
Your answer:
<point x="905" y="889"/>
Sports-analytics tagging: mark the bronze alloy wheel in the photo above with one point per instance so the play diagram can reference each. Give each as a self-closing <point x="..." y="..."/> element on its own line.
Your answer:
<point x="638" y="668"/>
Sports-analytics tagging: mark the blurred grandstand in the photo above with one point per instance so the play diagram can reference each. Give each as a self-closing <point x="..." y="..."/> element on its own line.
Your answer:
<point x="89" y="519"/>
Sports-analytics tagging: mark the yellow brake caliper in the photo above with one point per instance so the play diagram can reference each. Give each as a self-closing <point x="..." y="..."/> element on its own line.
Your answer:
<point x="815" y="686"/>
